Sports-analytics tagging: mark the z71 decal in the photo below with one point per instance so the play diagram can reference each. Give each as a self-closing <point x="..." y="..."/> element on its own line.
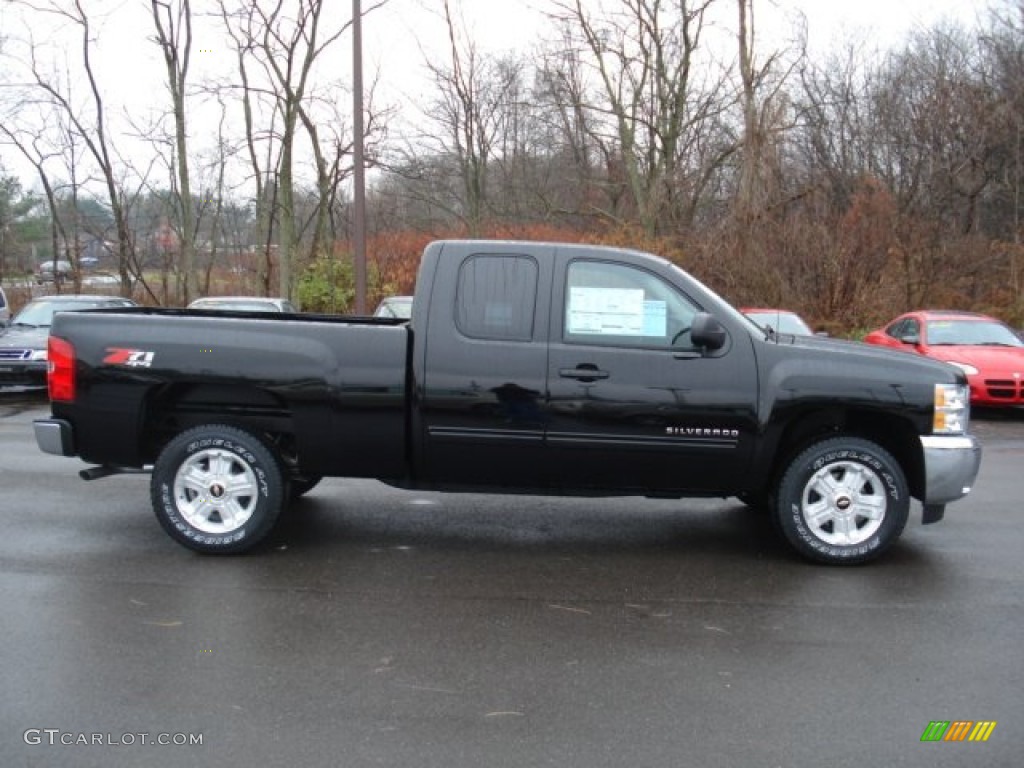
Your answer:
<point x="133" y="358"/>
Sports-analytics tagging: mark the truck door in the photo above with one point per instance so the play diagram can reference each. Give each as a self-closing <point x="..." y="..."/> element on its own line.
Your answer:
<point x="485" y="367"/>
<point x="632" y="404"/>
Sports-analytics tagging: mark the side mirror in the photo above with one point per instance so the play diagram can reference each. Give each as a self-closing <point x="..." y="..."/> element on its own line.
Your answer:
<point x="707" y="332"/>
<point x="911" y="338"/>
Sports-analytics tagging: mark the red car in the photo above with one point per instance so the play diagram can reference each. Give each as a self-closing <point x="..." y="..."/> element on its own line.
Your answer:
<point x="988" y="351"/>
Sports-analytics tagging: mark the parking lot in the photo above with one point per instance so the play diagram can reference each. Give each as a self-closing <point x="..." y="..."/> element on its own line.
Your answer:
<point x="390" y="628"/>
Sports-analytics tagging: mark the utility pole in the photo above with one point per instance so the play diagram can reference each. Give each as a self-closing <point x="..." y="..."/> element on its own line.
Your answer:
<point x="358" y="177"/>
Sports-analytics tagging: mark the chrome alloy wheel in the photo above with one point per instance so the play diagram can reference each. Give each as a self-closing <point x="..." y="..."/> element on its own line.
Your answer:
<point x="215" y="491"/>
<point x="844" y="503"/>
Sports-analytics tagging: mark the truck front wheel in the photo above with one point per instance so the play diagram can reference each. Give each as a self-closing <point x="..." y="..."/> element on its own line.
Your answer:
<point x="843" y="500"/>
<point x="217" y="489"/>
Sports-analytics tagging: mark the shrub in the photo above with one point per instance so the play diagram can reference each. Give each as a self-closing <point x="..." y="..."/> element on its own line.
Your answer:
<point x="328" y="285"/>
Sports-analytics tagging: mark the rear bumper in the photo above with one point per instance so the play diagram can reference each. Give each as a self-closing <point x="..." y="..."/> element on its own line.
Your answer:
<point x="54" y="436"/>
<point x="951" y="466"/>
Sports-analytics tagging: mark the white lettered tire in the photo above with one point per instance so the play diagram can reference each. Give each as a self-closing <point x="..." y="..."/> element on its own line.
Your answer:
<point x="844" y="500"/>
<point x="217" y="489"/>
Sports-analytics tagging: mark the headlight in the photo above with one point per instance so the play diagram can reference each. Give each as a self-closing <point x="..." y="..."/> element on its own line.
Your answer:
<point x="38" y="354"/>
<point x="970" y="370"/>
<point x="952" y="409"/>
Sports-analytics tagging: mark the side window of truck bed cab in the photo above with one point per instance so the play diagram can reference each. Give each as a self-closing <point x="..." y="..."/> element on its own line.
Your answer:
<point x="619" y="305"/>
<point x="496" y="296"/>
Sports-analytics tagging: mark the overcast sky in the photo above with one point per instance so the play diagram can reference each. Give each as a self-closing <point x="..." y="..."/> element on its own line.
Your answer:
<point x="395" y="33"/>
<point x="397" y="36"/>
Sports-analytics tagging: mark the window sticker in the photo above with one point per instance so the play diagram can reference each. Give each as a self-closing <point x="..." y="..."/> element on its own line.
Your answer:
<point x="606" y="311"/>
<point x="655" y="318"/>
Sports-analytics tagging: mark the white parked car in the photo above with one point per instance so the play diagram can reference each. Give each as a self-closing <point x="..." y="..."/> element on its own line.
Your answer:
<point x="395" y="306"/>
<point x="53" y="272"/>
<point x="243" y="304"/>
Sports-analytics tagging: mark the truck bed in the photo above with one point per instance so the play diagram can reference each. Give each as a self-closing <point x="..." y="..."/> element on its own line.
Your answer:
<point x="337" y="383"/>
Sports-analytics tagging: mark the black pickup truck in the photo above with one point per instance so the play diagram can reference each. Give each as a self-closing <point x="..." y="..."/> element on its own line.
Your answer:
<point x="528" y="368"/>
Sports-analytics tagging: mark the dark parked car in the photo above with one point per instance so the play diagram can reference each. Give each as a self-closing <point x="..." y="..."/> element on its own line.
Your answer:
<point x="23" y="343"/>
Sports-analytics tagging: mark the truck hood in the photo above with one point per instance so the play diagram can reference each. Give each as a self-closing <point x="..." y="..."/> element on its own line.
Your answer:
<point x="856" y="352"/>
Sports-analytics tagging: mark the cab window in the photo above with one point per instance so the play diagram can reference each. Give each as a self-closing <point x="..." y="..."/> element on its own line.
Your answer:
<point x="619" y="305"/>
<point x="496" y="297"/>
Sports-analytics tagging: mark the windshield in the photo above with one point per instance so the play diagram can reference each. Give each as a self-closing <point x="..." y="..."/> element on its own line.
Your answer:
<point x="971" y="333"/>
<point x="40" y="313"/>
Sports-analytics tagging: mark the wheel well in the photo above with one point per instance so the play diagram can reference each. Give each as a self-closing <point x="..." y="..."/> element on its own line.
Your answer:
<point x="892" y="433"/>
<point x="171" y="410"/>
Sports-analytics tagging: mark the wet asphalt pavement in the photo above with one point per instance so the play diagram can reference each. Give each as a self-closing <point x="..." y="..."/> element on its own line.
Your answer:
<point x="407" y="629"/>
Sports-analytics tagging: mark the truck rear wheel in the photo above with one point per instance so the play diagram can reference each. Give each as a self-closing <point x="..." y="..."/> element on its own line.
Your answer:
<point x="217" y="489"/>
<point x="843" y="500"/>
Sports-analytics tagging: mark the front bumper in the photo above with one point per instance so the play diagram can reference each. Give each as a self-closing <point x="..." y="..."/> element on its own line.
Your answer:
<point x="997" y="393"/>
<point x="951" y="464"/>
<point x="55" y="436"/>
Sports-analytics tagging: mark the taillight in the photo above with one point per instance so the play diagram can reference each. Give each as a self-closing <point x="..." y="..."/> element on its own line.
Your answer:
<point x="61" y="369"/>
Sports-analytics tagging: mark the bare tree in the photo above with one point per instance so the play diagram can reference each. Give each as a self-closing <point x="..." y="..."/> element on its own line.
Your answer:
<point x="173" y="22"/>
<point x="242" y="25"/>
<point x="465" y="113"/>
<point x="763" y="107"/>
<point x="566" y="126"/>
<point x="330" y="172"/>
<point x="32" y="148"/>
<point x="288" y="46"/>
<point x="90" y="125"/>
<point x="1003" y="49"/>
<point x="661" y="106"/>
